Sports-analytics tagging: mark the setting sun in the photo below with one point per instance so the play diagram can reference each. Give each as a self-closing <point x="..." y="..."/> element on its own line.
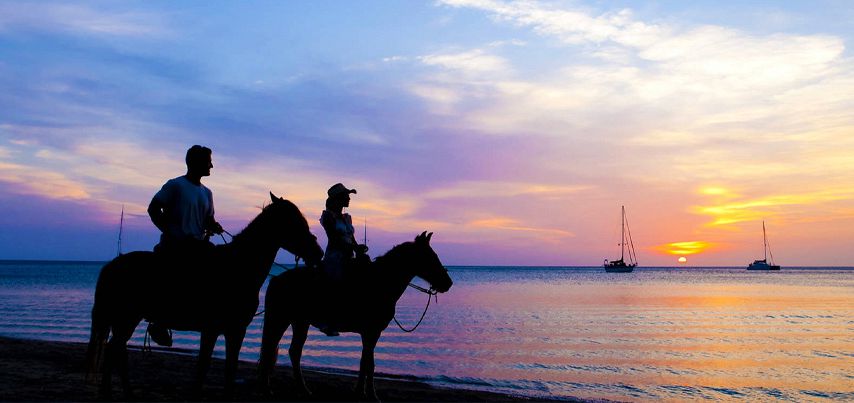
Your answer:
<point x="682" y="260"/>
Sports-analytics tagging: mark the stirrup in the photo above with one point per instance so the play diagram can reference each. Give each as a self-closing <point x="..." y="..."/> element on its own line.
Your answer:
<point x="161" y="335"/>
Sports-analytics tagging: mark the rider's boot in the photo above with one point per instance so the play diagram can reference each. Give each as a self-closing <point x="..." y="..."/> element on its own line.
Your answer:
<point x="160" y="334"/>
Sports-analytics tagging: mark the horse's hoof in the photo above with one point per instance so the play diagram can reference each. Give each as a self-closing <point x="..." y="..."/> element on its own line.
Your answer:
<point x="228" y="393"/>
<point x="264" y="390"/>
<point x="368" y="398"/>
<point x="304" y="393"/>
<point x="195" y="394"/>
<point x="362" y="396"/>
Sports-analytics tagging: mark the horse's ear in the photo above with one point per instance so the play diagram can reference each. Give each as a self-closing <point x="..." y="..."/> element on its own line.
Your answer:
<point x="430" y="235"/>
<point x="273" y="197"/>
<point x="421" y="238"/>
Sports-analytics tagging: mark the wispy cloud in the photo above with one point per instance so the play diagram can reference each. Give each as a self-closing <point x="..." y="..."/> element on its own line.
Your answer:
<point x="507" y="224"/>
<point x="732" y="207"/>
<point x="710" y="62"/>
<point x="78" y="19"/>
<point x="570" y="26"/>
<point x="485" y="189"/>
<point x="473" y="62"/>
<point x="698" y="88"/>
<point x="53" y="185"/>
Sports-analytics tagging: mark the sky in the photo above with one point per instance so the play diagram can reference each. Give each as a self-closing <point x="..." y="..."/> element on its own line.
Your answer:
<point x="514" y="131"/>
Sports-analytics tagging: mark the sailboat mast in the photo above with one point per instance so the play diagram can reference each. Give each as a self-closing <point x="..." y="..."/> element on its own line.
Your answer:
<point x="623" y="232"/>
<point x="764" y="241"/>
<point x="121" y="225"/>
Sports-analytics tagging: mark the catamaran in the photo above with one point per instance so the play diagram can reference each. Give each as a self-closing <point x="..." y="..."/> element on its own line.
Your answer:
<point x="763" y="264"/>
<point x="620" y="265"/>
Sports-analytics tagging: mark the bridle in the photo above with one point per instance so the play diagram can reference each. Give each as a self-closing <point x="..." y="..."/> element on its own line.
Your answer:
<point x="430" y="293"/>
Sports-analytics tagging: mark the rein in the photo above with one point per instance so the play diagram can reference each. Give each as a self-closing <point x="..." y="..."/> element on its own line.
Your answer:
<point x="296" y="265"/>
<point x="223" y="237"/>
<point x="430" y="293"/>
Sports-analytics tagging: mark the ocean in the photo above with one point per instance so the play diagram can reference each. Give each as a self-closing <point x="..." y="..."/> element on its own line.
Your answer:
<point x="658" y="334"/>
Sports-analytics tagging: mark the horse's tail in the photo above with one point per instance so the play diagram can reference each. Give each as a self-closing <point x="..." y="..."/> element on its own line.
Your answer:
<point x="100" y="325"/>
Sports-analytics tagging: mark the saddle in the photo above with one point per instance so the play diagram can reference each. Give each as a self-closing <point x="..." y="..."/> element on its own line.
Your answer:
<point x="335" y="298"/>
<point x="183" y="277"/>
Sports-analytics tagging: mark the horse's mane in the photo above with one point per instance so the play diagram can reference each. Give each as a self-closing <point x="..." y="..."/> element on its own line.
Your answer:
<point x="394" y="252"/>
<point x="260" y="225"/>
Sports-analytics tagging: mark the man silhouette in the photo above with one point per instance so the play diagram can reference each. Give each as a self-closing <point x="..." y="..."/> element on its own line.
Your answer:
<point x="183" y="211"/>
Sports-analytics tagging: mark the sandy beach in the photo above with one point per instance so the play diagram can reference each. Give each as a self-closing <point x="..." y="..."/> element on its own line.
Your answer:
<point x="54" y="371"/>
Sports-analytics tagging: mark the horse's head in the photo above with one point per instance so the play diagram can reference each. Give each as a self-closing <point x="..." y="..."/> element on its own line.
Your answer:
<point x="428" y="266"/>
<point x="297" y="238"/>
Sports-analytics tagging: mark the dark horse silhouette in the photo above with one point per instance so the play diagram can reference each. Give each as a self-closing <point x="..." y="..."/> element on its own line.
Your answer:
<point x="366" y="307"/>
<point x="214" y="296"/>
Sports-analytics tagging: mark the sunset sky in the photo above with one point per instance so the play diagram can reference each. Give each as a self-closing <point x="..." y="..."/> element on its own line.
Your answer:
<point x="513" y="130"/>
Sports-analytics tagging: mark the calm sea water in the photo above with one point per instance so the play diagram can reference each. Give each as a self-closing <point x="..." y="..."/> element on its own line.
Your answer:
<point x="655" y="334"/>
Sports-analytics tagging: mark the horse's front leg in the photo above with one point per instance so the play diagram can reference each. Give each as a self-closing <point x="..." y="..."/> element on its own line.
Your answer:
<point x="117" y="357"/>
<point x="233" y="342"/>
<point x="206" y="346"/>
<point x="365" y="384"/>
<point x="274" y="329"/>
<point x="295" y="351"/>
<point x="111" y="359"/>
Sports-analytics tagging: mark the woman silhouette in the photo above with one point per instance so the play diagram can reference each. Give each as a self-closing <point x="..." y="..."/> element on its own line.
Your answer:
<point x="342" y="248"/>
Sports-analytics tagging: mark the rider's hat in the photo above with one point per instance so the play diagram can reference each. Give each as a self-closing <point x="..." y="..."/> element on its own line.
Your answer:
<point x="338" y="190"/>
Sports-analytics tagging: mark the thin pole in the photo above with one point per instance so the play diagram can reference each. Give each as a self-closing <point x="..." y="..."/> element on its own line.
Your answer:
<point x="121" y="225"/>
<point x="623" y="232"/>
<point x="764" y="241"/>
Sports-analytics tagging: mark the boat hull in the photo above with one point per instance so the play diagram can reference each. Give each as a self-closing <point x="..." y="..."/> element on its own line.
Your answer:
<point x="619" y="268"/>
<point x="762" y="265"/>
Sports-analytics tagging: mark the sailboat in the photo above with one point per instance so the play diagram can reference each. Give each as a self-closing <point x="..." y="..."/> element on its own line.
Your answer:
<point x="620" y="265"/>
<point x="763" y="264"/>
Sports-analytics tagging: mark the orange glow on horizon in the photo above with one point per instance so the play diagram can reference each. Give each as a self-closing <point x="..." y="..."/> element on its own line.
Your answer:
<point x="684" y="248"/>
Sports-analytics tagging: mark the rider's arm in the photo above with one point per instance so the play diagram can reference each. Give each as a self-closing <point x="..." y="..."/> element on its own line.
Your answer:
<point x="328" y="223"/>
<point x="158" y="216"/>
<point x="212" y="226"/>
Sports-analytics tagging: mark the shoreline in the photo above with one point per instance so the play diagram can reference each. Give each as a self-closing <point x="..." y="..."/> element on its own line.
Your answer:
<point x="846" y="267"/>
<point x="34" y="370"/>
